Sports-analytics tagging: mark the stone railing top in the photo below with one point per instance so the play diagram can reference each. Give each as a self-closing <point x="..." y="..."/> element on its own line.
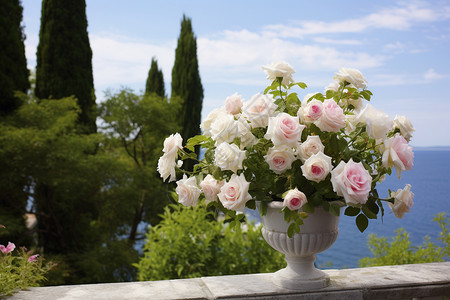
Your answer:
<point x="388" y="282"/>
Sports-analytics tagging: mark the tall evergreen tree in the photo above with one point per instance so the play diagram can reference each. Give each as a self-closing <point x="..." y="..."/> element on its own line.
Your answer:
<point x="186" y="82"/>
<point x="13" y="64"/>
<point x="155" y="80"/>
<point x="64" y="57"/>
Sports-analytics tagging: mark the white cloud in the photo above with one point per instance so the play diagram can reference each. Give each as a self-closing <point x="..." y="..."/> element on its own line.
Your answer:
<point x="431" y="75"/>
<point x="400" y="17"/>
<point x="337" y="42"/>
<point x="406" y="79"/>
<point x="119" y="60"/>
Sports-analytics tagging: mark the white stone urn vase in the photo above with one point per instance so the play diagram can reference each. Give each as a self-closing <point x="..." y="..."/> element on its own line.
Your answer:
<point x="318" y="233"/>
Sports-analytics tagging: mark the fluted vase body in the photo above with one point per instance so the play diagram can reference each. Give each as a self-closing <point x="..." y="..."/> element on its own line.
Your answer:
<point x="318" y="233"/>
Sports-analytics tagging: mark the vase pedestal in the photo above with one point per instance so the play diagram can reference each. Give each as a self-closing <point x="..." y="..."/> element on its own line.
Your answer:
<point x="318" y="233"/>
<point x="301" y="274"/>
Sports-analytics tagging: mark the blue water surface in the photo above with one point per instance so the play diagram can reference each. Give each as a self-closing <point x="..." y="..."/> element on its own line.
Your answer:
<point x="430" y="181"/>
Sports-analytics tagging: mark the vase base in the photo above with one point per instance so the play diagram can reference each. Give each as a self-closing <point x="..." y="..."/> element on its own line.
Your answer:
<point x="287" y="279"/>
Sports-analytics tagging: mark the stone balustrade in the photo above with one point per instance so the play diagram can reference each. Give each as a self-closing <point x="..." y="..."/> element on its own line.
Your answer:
<point x="418" y="281"/>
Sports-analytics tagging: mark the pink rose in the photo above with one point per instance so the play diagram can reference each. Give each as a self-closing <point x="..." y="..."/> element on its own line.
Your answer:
<point x="310" y="111"/>
<point x="403" y="201"/>
<point x="234" y="194"/>
<point x="398" y="153"/>
<point x="333" y="118"/>
<point x="233" y="104"/>
<point x="211" y="187"/>
<point x="10" y="247"/>
<point x="351" y="181"/>
<point x="317" y="167"/>
<point x="284" y="129"/>
<point x="294" y="199"/>
<point x="279" y="158"/>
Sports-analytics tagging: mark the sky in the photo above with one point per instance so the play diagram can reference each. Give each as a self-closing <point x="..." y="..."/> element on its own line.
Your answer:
<point x="401" y="47"/>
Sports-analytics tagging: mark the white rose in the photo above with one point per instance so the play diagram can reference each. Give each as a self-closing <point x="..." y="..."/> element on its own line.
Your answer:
<point x="166" y="167"/>
<point x="310" y="111"/>
<point x="224" y="129"/>
<point x="294" y="199"/>
<point x="332" y="118"/>
<point x="233" y="104"/>
<point x="211" y="187"/>
<point x="279" y="158"/>
<point x="317" y="167"/>
<point x="403" y="201"/>
<point x="311" y="146"/>
<point x="212" y="116"/>
<point x="234" y="193"/>
<point x="280" y="69"/>
<point x="229" y="157"/>
<point x="405" y="126"/>
<point x="284" y="129"/>
<point x="259" y="109"/>
<point x="352" y="76"/>
<point x="172" y="144"/>
<point x="377" y="122"/>
<point x="187" y="191"/>
<point x="245" y="133"/>
<point x="333" y="86"/>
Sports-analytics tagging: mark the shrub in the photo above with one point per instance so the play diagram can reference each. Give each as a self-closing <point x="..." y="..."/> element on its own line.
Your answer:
<point x="20" y="270"/>
<point x="189" y="242"/>
<point x="400" y="251"/>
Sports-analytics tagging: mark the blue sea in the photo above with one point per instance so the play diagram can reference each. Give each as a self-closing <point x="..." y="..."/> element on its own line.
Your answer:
<point x="430" y="181"/>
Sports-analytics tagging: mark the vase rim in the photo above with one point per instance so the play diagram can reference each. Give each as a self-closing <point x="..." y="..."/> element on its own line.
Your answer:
<point x="274" y="204"/>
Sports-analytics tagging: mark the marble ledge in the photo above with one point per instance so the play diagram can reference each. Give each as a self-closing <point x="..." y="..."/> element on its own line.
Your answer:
<point x="418" y="281"/>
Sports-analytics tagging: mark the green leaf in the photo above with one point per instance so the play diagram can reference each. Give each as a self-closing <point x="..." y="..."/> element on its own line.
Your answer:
<point x="251" y="204"/>
<point x="368" y="213"/>
<point x="362" y="222"/>
<point x="366" y="94"/>
<point x="352" y="211"/>
<point x="291" y="230"/>
<point x="302" y="85"/>
<point x="195" y="140"/>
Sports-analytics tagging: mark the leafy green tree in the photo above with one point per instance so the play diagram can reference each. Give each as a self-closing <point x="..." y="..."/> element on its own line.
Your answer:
<point x="189" y="242"/>
<point x="79" y="226"/>
<point x="64" y="58"/>
<point x="155" y="80"/>
<point x="186" y="82"/>
<point x="137" y="126"/>
<point x="399" y="251"/>
<point x="13" y="64"/>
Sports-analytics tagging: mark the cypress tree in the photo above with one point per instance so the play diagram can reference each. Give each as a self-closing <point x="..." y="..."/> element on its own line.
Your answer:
<point x="13" y="65"/>
<point x="186" y="82"/>
<point x="64" y="57"/>
<point x="155" y="80"/>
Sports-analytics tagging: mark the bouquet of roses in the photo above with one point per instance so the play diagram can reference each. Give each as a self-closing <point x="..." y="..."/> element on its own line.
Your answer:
<point x="327" y="150"/>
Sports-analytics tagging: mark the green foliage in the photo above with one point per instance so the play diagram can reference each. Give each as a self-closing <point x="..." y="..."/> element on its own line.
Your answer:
<point x="64" y="58"/>
<point x="186" y="82"/>
<point x="13" y="64"/>
<point x="17" y="273"/>
<point x="399" y="250"/>
<point x="189" y="242"/>
<point x="155" y="80"/>
<point x="136" y="127"/>
<point x="41" y="147"/>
